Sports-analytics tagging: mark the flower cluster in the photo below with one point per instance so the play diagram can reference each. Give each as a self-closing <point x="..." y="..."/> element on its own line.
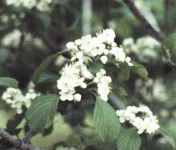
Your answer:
<point x="140" y="117"/>
<point x="146" y="48"/>
<point x="72" y="76"/>
<point x="16" y="99"/>
<point x="152" y="89"/>
<point x="100" y="48"/>
<point x="103" y="83"/>
<point x="42" y="5"/>
<point x="12" y="38"/>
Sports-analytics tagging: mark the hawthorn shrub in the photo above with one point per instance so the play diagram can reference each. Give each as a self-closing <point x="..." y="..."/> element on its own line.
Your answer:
<point x="87" y="75"/>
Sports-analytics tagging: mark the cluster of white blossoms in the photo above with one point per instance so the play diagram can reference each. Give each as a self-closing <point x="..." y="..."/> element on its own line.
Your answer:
<point x="76" y="74"/>
<point x="140" y="117"/>
<point x="42" y="5"/>
<point x="145" y="47"/>
<point x="12" y="38"/>
<point x="17" y="100"/>
<point x="102" y="46"/>
<point x="152" y="90"/>
<point x="103" y="84"/>
<point x="72" y="76"/>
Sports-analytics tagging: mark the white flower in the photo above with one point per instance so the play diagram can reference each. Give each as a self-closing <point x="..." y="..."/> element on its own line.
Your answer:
<point x="107" y="36"/>
<point x="99" y="47"/>
<point x="140" y="117"/>
<point x="12" y="38"/>
<point x="77" y="97"/>
<point x="85" y="72"/>
<point x="119" y="54"/>
<point x="16" y="99"/>
<point x="104" y="59"/>
<point x="129" y="45"/>
<point x="42" y="5"/>
<point x="72" y="76"/>
<point x="159" y="90"/>
<point x="29" y="3"/>
<point x="151" y="124"/>
<point x="146" y="48"/>
<point x="71" y="46"/>
<point x="103" y="84"/>
<point x="147" y="42"/>
<point x="128" y="61"/>
<point x="83" y="51"/>
<point x="99" y="75"/>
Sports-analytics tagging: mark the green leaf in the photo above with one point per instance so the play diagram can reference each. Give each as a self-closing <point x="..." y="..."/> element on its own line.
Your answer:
<point x="124" y="73"/>
<point x="140" y="70"/>
<point x="169" y="136"/>
<point x="128" y="140"/>
<point x="106" y="122"/>
<point x="44" y="65"/>
<point x="47" y="77"/>
<point x="95" y="68"/>
<point x="8" y="82"/>
<point x="41" y="113"/>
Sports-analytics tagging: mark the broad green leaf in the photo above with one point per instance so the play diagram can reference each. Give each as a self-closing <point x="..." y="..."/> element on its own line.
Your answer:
<point x="128" y="140"/>
<point x="140" y="70"/>
<point x="41" y="113"/>
<point x="8" y="82"/>
<point x="105" y="120"/>
<point x="42" y="67"/>
<point x="169" y="136"/>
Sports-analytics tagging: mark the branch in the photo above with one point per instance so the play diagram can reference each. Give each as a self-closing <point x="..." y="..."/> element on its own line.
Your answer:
<point x="131" y="5"/>
<point x="15" y="142"/>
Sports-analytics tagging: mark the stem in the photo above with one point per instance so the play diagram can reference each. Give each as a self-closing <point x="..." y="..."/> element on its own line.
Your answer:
<point x="15" y="142"/>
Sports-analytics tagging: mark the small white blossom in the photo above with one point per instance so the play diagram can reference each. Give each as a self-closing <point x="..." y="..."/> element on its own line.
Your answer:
<point x="12" y="38"/>
<point x="107" y="36"/>
<point x="147" y="42"/>
<point x="119" y="54"/>
<point x="140" y="117"/>
<point x="71" y="46"/>
<point x="128" y="61"/>
<point x="77" y="97"/>
<point x="104" y="59"/>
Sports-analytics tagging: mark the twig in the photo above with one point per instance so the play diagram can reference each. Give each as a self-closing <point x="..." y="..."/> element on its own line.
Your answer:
<point x="13" y="123"/>
<point x="15" y="142"/>
<point x="131" y="5"/>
